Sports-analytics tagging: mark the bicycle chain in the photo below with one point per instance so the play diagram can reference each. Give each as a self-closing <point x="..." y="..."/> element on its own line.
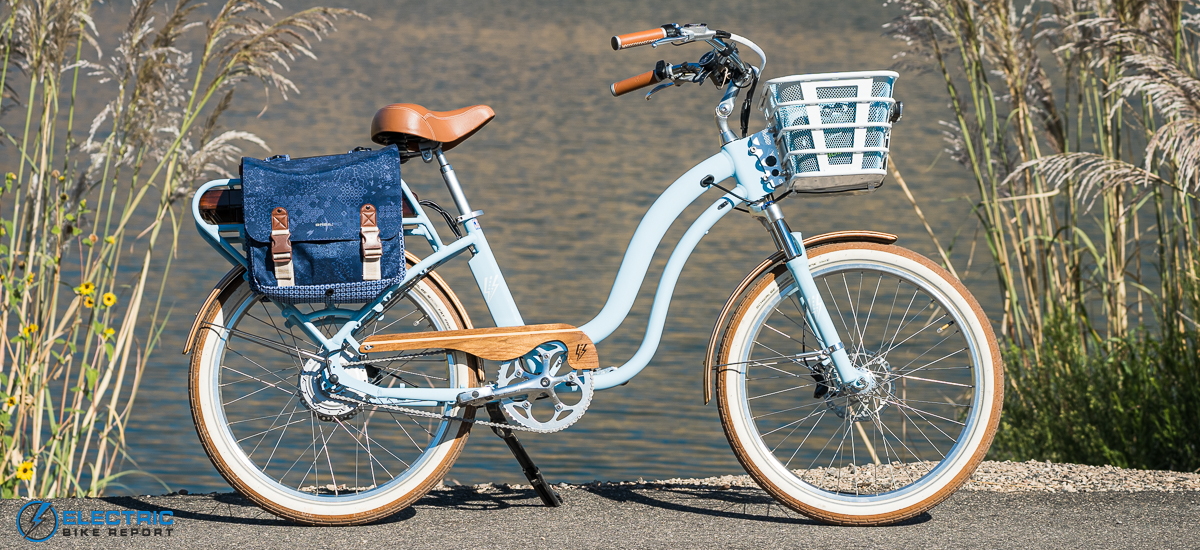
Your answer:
<point x="393" y="358"/>
<point x="425" y="414"/>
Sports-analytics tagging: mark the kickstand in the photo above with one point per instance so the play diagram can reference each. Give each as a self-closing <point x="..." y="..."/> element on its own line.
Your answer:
<point x="543" y="489"/>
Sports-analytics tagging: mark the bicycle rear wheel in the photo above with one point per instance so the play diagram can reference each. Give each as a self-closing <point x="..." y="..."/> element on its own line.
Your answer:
<point x="313" y="460"/>
<point x="885" y="455"/>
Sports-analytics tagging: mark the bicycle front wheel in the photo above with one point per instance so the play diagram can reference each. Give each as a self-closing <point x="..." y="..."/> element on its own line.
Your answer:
<point x="306" y="457"/>
<point x="884" y="455"/>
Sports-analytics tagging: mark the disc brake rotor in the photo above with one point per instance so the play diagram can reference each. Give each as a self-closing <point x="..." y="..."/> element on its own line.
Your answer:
<point x="865" y="405"/>
<point x="560" y="404"/>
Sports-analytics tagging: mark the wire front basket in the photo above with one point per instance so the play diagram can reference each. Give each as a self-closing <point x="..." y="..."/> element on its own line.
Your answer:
<point x="833" y="129"/>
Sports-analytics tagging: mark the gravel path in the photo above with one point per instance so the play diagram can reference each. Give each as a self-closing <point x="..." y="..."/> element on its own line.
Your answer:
<point x="1001" y="477"/>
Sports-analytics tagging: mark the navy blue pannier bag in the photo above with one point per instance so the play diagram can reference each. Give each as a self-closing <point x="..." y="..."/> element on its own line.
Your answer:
<point x="324" y="229"/>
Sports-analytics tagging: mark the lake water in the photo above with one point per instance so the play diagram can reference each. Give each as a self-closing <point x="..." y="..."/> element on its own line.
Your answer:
<point x="564" y="173"/>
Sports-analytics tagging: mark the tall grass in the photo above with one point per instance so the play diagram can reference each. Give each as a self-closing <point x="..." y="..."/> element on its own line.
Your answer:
<point x="82" y="288"/>
<point x="1079" y="121"/>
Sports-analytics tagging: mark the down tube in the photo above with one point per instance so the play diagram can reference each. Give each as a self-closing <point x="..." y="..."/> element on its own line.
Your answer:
<point x="662" y="297"/>
<point x="665" y="210"/>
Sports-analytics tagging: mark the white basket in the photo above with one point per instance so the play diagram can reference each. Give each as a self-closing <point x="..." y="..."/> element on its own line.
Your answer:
<point x="833" y="129"/>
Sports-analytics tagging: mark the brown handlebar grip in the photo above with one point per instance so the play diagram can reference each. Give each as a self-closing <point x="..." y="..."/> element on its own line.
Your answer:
<point x="634" y="82"/>
<point x="623" y="41"/>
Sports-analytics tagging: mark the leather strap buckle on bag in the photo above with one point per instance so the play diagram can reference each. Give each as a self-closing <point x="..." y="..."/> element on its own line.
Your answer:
<point x="281" y="247"/>
<point x="372" y="248"/>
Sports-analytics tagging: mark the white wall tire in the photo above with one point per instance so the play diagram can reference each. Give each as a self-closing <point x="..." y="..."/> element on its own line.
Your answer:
<point x="763" y="399"/>
<point x="379" y="487"/>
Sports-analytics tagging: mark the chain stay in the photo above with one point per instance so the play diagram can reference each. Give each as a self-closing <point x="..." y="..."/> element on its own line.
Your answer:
<point x="426" y="414"/>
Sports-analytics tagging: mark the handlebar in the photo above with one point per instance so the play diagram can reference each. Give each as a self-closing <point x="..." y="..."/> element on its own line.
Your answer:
<point x="722" y="65"/>
<point x="660" y="73"/>
<point x="641" y="38"/>
<point x="634" y="83"/>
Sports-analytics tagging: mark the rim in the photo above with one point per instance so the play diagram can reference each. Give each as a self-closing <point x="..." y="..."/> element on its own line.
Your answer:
<point x="277" y="435"/>
<point x="903" y="437"/>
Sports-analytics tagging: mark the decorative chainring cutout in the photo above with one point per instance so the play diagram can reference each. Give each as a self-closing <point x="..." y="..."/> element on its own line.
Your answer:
<point x="563" y="401"/>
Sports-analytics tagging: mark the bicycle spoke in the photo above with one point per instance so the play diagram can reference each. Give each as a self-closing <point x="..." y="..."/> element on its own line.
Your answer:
<point x="852" y="444"/>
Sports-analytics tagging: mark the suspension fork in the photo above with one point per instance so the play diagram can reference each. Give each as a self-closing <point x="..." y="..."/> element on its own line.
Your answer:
<point x="791" y="245"/>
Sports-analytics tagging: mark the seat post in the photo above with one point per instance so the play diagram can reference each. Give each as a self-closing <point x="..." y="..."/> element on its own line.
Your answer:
<point x="456" y="192"/>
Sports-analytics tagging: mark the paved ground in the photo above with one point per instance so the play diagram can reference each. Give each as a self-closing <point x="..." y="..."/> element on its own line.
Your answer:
<point x="672" y="516"/>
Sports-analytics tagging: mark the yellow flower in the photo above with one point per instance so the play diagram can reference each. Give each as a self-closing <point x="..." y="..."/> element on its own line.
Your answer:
<point x="110" y="239"/>
<point x="89" y="302"/>
<point x="29" y="329"/>
<point x="10" y="402"/>
<point x="29" y="278"/>
<point x="86" y="289"/>
<point x="108" y="332"/>
<point x="108" y="299"/>
<point x="25" y="471"/>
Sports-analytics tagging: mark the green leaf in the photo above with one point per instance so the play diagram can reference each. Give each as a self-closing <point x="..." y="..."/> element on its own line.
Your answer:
<point x="91" y="376"/>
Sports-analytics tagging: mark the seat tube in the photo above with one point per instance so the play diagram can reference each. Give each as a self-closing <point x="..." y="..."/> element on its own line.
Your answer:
<point x="456" y="192"/>
<point x="792" y="246"/>
<point x="484" y="268"/>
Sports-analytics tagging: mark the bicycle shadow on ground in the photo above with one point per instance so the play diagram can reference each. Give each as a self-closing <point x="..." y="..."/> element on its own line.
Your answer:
<point x="226" y="508"/>
<point x="740" y="503"/>
<point x="497" y="497"/>
<point x="232" y="508"/>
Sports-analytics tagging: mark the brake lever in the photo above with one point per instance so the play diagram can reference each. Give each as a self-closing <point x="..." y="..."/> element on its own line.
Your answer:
<point x="662" y="86"/>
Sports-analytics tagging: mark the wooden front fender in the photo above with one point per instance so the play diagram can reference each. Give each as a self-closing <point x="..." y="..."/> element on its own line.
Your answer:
<point x="767" y="265"/>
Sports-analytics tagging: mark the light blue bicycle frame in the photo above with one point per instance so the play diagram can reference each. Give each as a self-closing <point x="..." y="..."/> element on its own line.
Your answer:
<point x="739" y="159"/>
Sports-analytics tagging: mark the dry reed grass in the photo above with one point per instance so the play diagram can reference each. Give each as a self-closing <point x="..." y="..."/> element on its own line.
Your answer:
<point x="82" y="313"/>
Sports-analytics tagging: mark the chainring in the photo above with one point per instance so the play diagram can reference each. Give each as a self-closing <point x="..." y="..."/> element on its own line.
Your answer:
<point x="556" y="407"/>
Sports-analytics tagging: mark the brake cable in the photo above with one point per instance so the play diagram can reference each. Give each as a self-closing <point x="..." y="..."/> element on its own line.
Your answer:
<point x="746" y="102"/>
<point x="445" y="216"/>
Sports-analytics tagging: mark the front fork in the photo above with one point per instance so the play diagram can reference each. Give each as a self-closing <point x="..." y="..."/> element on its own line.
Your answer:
<point x="850" y="379"/>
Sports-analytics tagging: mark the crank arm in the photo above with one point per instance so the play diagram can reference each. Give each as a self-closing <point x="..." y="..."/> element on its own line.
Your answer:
<point x="541" y="385"/>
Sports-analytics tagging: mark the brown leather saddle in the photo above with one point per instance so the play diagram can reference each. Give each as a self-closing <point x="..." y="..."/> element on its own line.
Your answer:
<point x="408" y="125"/>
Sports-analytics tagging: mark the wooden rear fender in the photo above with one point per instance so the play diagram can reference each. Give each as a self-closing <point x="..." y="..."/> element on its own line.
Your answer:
<point x="766" y="265"/>
<point x="226" y="285"/>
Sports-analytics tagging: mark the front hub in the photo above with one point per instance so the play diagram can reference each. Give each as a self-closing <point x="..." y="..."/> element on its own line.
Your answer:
<point x="864" y="404"/>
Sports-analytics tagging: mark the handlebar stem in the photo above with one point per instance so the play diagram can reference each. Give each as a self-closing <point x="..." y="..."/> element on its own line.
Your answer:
<point x="724" y="109"/>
